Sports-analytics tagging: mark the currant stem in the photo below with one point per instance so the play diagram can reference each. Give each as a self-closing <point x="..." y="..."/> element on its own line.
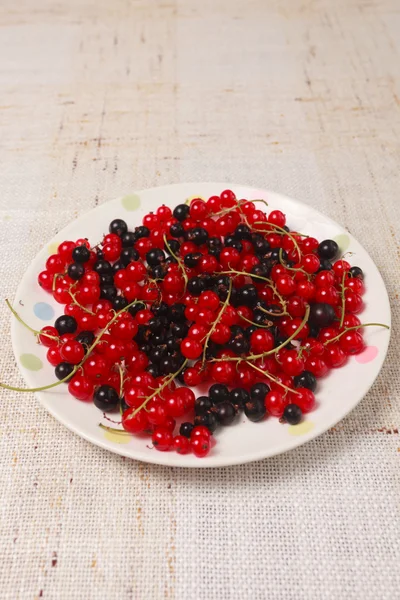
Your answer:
<point x="114" y="429"/>
<point x="35" y="331"/>
<point x="77" y="367"/>
<point x="222" y="309"/>
<point x="269" y="352"/>
<point x="272" y="378"/>
<point x="159" y="389"/>
<point x="178" y="260"/>
<point x="73" y="296"/>
<point x="297" y="270"/>
<point x="355" y="327"/>
<point x="342" y="295"/>
<point x="257" y="324"/>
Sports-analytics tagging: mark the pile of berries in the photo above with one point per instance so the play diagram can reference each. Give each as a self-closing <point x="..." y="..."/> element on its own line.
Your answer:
<point x="217" y="293"/>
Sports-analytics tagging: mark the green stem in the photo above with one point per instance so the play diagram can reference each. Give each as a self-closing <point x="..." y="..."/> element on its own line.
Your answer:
<point x="297" y="270"/>
<point x="114" y="430"/>
<point x="79" y="304"/>
<point x="269" y="352"/>
<point x="77" y="367"/>
<point x="355" y="327"/>
<point x="159" y="389"/>
<point x="222" y="309"/>
<point x="178" y="260"/>
<point x="342" y="295"/>
<point x="35" y="331"/>
<point x="272" y="378"/>
<point x="256" y="324"/>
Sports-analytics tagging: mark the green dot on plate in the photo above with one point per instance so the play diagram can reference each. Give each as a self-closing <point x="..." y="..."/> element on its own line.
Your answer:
<point x="343" y="241"/>
<point x="131" y="202"/>
<point x="43" y="311"/>
<point x="301" y="428"/>
<point x="31" y="362"/>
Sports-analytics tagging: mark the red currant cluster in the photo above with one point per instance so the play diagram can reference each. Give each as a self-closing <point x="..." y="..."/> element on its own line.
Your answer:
<point x="217" y="293"/>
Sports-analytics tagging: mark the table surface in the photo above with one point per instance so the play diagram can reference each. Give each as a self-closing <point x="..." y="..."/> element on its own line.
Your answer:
<point x="101" y="98"/>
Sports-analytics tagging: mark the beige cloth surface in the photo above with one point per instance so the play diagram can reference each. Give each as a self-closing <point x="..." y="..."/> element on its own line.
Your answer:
<point x="101" y="98"/>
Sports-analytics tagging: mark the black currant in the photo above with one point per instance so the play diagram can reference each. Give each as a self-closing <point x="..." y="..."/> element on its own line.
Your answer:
<point x="86" y="338"/>
<point x="81" y="254"/>
<point x="259" y="391"/>
<point x="202" y="405"/>
<point x="195" y="286"/>
<point x="119" y="303"/>
<point x="192" y="259"/>
<point x="63" y="369"/>
<point x="218" y="393"/>
<point x="255" y="410"/>
<point x="208" y="420"/>
<point x="248" y="295"/>
<point x="128" y="255"/>
<point x="160" y="309"/>
<point x="186" y="429"/>
<point x="102" y="267"/>
<point x="106" y="398"/>
<point x="306" y="379"/>
<point x="158" y="324"/>
<point x="118" y="226"/>
<point x="117" y="266"/>
<point x="225" y="413"/>
<point x="176" y="230"/>
<point x="176" y="313"/>
<point x="76" y="271"/>
<point x="66" y="324"/>
<point x="108" y="292"/>
<point x="239" y="397"/>
<point x="242" y="232"/>
<point x="356" y="272"/>
<point x="142" y="232"/>
<point x="155" y="257"/>
<point x="292" y="414"/>
<point x="328" y="249"/>
<point x="322" y="314"/>
<point x="128" y="239"/>
<point x="173" y="247"/>
<point x="197" y="235"/>
<point x="181" y="212"/>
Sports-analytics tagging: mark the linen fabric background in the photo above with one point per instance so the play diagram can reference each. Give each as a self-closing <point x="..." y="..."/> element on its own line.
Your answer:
<point x="101" y="98"/>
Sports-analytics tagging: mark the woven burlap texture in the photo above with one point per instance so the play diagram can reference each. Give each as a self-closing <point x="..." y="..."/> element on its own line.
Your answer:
<point x="101" y="98"/>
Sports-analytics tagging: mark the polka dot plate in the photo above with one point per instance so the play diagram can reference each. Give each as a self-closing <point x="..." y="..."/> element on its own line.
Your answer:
<point x="245" y="441"/>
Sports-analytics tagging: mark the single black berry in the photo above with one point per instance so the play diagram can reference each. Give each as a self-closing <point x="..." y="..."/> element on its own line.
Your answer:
<point x="102" y="267"/>
<point x="324" y="265"/>
<point x="356" y="272"/>
<point x="242" y="232"/>
<point x="155" y="257"/>
<point x="117" y="266"/>
<point x="128" y="255"/>
<point x="202" y="405"/>
<point x="306" y="379"/>
<point x="181" y="212"/>
<point x="180" y="330"/>
<point x="192" y="259"/>
<point x="239" y="345"/>
<point x="239" y="397"/>
<point x="214" y="246"/>
<point x="108" y="292"/>
<point x="63" y="369"/>
<point x="165" y="365"/>
<point x="322" y="314"/>
<point x="195" y="286"/>
<point x="225" y="413"/>
<point x="259" y="391"/>
<point x="66" y="324"/>
<point x="118" y="226"/>
<point x="142" y="232"/>
<point x="292" y="414"/>
<point x="208" y="420"/>
<point x="186" y="429"/>
<point x="107" y="279"/>
<point x="197" y="235"/>
<point x="81" y="254"/>
<point x="106" y="398"/>
<point x="86" y="338"/>
<point x="173" y="247"/>
<point x="176" y="312"/>
<point x="261" y="247"/>
<point x="158" y="353"/>
<point x="260" y="271"/>
<point x="176" y="230"/>
<point x="158" y="324"/>
<point x="76" y="271"/>
<point x="248" y="295"/>
<point x="128" y="239"/>
<point x="328" y="249"/>
<point x="218" y="393"/>
<point x="119" y="303"/>
<point x="255" y="410"/>
<point x="160" y="309"/>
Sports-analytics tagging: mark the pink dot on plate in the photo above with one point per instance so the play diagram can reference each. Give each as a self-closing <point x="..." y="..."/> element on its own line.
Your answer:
<point x="367" y="355"/>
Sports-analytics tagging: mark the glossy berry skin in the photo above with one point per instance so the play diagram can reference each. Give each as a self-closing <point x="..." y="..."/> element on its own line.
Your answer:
<point x="191" y="349"/>
<point x="305" y="380"/>
<point x="72" y="352"/>
<point x="202" y="405"/>
<point x="208" y="420"/>
<point x="352" y="342"/>
<point x="239" y="397"/>
<point x="181" y="444"/>
<point x="292" y="414"/>
<point x="200" y="446"/>
<point x="328" y="249"/>
<point x="135" y="423"/>
<point x="261" y="341"/>
<point x="304" y="398"/>
<point x="63" y="370"/>
<point x="223" y="372"/>
<point x="47" y="341"/>
<point x="65" y="324"/>
<point x="275" y="403"/>
<point x="259" y="391"/>
<point x="255" y="410"/>
<point x="80" y="254"/>
<point x="322" y="315"/>
<point x="186" y="429"/>
<point x="81" y="388"/>
<point x="118" y="226"/>
<point x="225" y="413"/>
<point x="162" y="439"/>
<point x="106" y="398"/>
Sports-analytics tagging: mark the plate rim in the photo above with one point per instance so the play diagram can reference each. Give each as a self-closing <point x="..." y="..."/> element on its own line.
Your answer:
<point x="161" y="458"/>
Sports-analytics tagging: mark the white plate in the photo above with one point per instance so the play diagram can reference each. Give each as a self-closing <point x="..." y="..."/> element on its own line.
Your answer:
<point x="337" y="394"/>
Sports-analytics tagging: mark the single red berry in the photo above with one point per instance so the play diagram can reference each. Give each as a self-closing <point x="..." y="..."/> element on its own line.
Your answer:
<point x="209" y="299"/>
<point x="229" y="316"/>
<point x="214" y="204"/>
<point x="54" y="355"/>
<point x="65" y="250"/>
<point x="261" y="340"/>
<point x="175" y="405"/>
<point x="173" y="283"/>
<point x="310" y="263"/>
<point x="88" y="293"/>
<point x="45" y="280"/>
<point x="81" y="388"/>
<point x="274" y="240"/>
<point x="187" y="248"/>
<point x="137" y="363"/>
<point x="188" y="397"/>
<point x="223" y="372"/>
<point x="136" y="271"/>
<point x="200" y="446"/>
<point x="334" y="356"/>
<point x="313" y="347"/>
<point x="156" y="412"/>
<point x="198" y="209"/>
<point x="224" y="225"/>
<point x="327" y="295"/>
<point x="162" y="439"/>
<point x="192" y="377"/>
<point x="200" y="431"/>
<point x="198" y="332"/>
<point x="296" y="306"/>
<point x="324" y="279"/>
<point x="351" y="321"/>
<point x="164" y="213"/>
<point x="304" y="398"/>
<point x="221" y="334"/>
<point x="190" y="348"/>
<point x="124" y="329"/>
<point x="55" y="264"/>
<point x="276" y="217"/>
<point x="72" y="352"/>
<point x="134" y="423"/>
<point x="328" y="333"/>
<point x="181" y="444"/>
<point x="340" y="267"/>
<point x="285" y="285"/>
<point x="317" y="366"/>
<point x="143" y="245"/>
<point x="228" y="199"/>
<point x="352" y="342"/>
<point x="229" y="258"/>
<point x="101" y="305"/>
<point x="208" y="264"/>
<point x="275" y="403"/>
<point x="115" y="350"/>
<point x="309" y="244"/>
<point x="292" y="364"/>
<point x="306" y="290"/>
<point x="203" y="315"/>
<point x="47" y="341"/>
<point x="245" y="376"/>
<point x="353" y="302"/>
<point x="144" y="316"/>
<point x="135" y="395"/>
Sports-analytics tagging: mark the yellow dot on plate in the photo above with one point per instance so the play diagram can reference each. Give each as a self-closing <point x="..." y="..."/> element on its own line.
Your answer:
<point x="131" y="202"/>
<point x="52" y="248"/>
<point x="118" y="438"/>
<point x="31" y="362"/>
<point x="301" y="428"/>
<point x="343" y="241"/>
<point x="7" y="217"/>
